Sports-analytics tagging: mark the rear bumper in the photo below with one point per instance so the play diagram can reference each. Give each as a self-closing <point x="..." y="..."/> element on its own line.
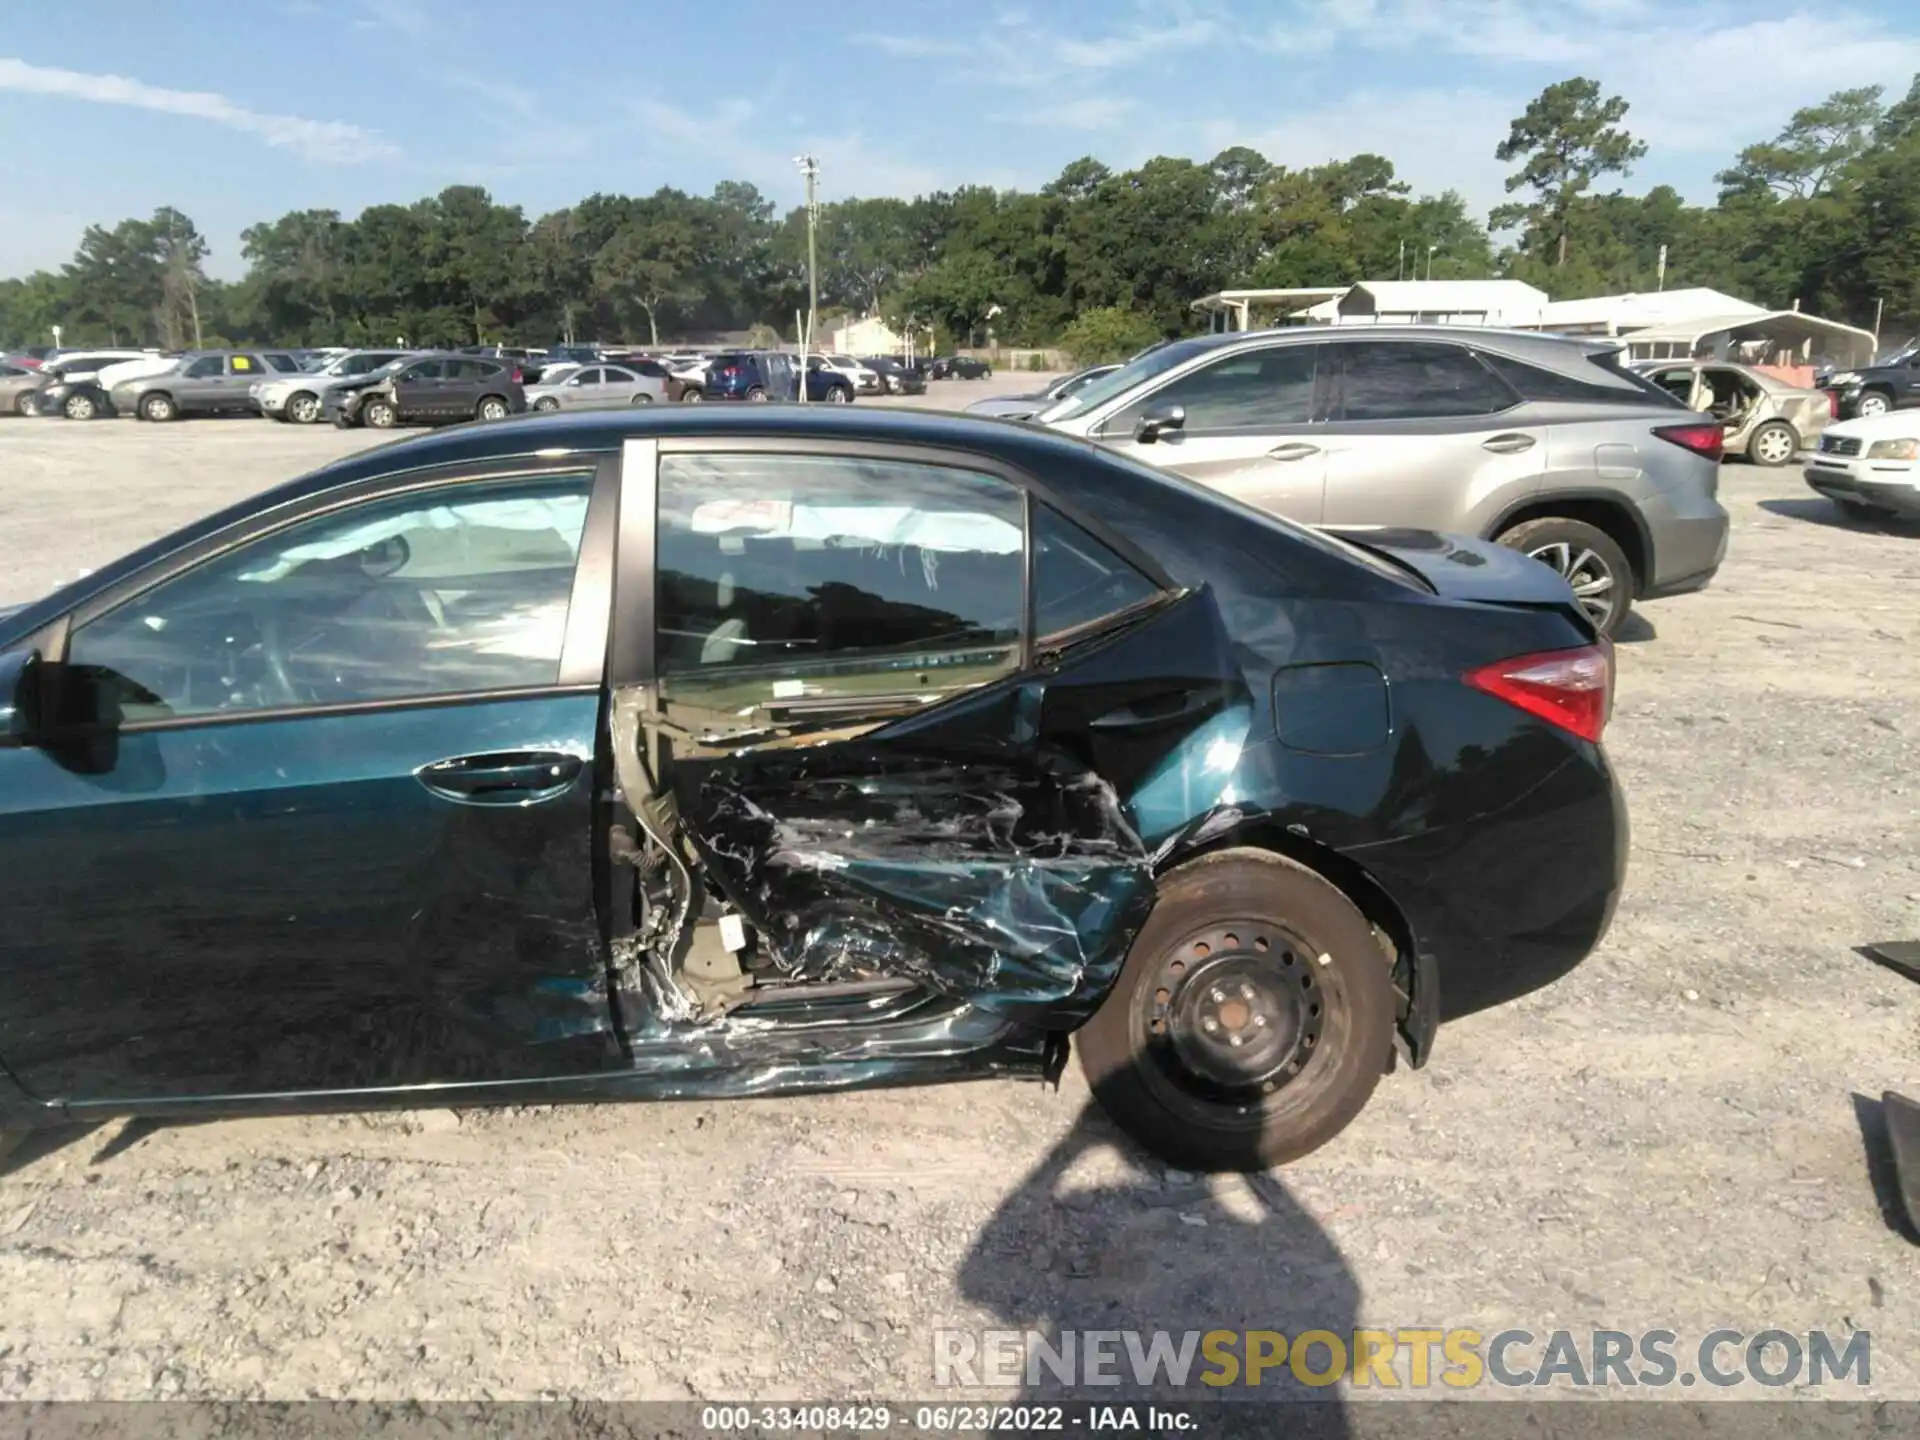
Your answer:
<point x="1505" y="904"/>
<point x="1688" y="546"/>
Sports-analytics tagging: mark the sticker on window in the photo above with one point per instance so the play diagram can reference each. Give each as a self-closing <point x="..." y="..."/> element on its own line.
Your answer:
<point x="241" y="362"/>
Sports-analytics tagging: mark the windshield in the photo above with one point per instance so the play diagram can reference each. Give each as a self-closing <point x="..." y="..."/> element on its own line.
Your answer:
<point x="1135" y="372"/>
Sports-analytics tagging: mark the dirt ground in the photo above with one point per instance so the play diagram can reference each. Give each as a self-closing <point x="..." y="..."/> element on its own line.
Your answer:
<point x="1670" y="1137"/>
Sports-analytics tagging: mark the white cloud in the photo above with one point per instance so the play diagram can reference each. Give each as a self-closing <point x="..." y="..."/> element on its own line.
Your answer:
<point x="723" y="138"/>
<point x="1437" y="139"/>
<point x="1018" y="51"/>
<point x="1701" y="79"/>
<point x="1094" y="112"/>
<point x="331" y="142"/>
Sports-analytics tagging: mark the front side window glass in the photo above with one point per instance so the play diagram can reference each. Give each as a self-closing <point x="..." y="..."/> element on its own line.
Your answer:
<point x="459" y="589"/>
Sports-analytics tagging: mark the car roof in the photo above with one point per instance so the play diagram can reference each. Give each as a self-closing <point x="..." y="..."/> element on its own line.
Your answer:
<point x="555" y="438"/>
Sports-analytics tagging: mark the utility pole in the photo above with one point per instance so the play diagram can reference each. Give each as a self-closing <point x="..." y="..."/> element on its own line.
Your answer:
<point x="1879" y="308"/>
<point x="1430" y="250"/>
<point x="810" y="168"/>
<point x="1400" y="265"/>
<point x="1660" y="275"/>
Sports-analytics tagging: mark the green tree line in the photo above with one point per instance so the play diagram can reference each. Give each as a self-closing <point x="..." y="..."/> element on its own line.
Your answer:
<point x="1826" y="214"/>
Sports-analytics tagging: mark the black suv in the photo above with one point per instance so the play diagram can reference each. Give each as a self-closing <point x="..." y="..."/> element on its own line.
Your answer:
<point x="435" y="389"/>
<point x="960" y="367"/>
<point x="1889" y="384"/>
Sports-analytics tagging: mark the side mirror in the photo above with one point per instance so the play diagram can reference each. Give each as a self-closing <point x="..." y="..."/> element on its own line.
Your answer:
<point x="20" y="718"/>
<point x="1155" y="423"/>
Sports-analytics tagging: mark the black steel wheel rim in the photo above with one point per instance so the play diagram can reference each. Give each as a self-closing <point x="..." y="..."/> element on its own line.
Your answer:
<point x="1233" y="1014"/>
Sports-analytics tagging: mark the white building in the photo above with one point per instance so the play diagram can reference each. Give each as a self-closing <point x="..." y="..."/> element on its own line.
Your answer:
<point x="1379" y="302"/>
<point x="871" y="336"/>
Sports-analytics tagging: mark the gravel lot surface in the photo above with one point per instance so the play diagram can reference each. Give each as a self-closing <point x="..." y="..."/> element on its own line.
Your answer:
<point x="1666" y="1138"/>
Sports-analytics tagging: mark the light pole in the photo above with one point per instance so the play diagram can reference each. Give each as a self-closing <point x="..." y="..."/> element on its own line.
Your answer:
<point x="810" y="168"/>
<point x="1430" y="250"/>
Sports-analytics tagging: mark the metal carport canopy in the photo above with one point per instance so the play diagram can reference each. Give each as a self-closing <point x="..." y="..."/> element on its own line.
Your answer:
<point x="1785" y="327"/>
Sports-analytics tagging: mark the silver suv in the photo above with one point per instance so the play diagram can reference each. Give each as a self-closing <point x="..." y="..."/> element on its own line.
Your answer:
<point x="1543" y="443"/>
<point x="300" y="398"/>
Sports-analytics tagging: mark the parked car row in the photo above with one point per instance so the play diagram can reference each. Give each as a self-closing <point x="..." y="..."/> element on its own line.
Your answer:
<point x="300" y="386"/>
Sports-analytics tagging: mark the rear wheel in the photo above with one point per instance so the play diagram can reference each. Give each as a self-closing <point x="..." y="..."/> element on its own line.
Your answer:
<point x="546" y="404"/>
<point x="158" y="408"/>
<point x="492" y="407"/>
<point x="1773" y="444"/>
<point x="1588" y="559"/>
<point x="23" y="403"/>
<point x="303" y="409"/>
<point x="380" y="415"/>
<point x="757" y="395"/>
<point x="643" y="399"/>
<point x="839" y="395"/>
<point x="1874" y="402"/>
<point x="1252" y="1020"/>
<point x="692" y="396"/>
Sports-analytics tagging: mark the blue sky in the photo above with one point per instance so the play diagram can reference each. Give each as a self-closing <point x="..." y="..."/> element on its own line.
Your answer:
<point x="237" y="112"/>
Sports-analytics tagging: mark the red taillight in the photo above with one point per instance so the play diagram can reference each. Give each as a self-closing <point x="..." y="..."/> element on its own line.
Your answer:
<point x="729" y="372"/>
<point x="1569" y="688"/>
<point x="516" y="376"/>
<point x="1707" y="440"/>
<point x="1833" y="404"/>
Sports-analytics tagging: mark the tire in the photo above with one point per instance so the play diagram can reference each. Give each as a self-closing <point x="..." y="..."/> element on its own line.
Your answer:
<point x="642" y="399"/>
<point x="302" y="409"/>
<point x="757" y="395"/>
<point x="379" y="415"/>
<point x="79" y="407"/>
<point x="1587" y="556"/>
<point x="158" y="408"/>
<point x="987" y="374"/>
<point x="546" y="405"/>
<point x="491" y="407"/>
<point x="1773" y="444"/>
<point x="1237" y="940"/>
<point x="1873" y="402"/>
<point x="23" y="404"/>
<point x="693" y="396"/>
<point x="839" y="395"/>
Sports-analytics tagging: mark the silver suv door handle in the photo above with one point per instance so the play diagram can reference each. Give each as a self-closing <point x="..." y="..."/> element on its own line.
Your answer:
<point x="1508" y="444"/>
<point x="1296" y="450"/>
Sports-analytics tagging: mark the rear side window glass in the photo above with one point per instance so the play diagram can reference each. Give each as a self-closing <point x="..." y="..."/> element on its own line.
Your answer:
<point x="205" y="368"/>
<point x="285" y="364"/>
<point x="1534" y="382"/>
<point x="1077" y="579"/>
<point x="425" y="370"/>
<point x="1416" y="380"/>
<point x="784" y="577"/>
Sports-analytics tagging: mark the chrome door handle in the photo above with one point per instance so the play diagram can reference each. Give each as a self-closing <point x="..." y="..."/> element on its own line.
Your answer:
<point x="1509" y="444"/>
<point x="1294" y="450"/>
<point x="517" y="777"/>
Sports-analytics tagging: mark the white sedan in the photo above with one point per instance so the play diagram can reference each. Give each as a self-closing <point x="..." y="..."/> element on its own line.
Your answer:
<point x="1870" y="466"/>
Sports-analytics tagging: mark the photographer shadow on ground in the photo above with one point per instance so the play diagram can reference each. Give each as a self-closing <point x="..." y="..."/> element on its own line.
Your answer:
<point x="1101" y="1237"/>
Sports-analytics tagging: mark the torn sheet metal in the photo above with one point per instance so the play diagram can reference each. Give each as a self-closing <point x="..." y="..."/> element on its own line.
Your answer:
<point x="1013" y="884"/>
